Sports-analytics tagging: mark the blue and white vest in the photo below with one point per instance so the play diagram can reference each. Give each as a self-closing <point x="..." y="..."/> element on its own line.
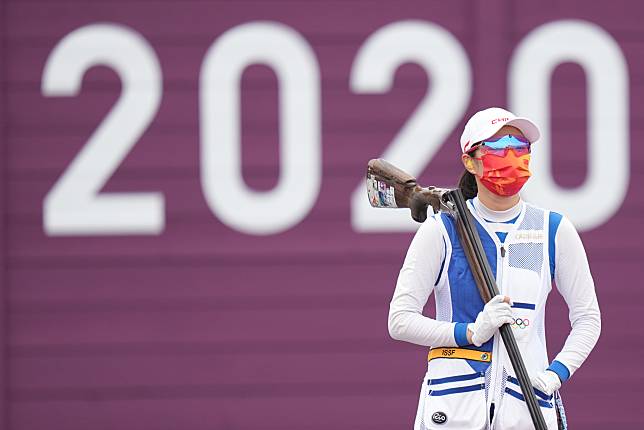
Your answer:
<point x="523" y="265"/>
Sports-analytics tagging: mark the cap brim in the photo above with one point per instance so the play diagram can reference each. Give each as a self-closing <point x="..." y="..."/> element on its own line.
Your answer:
<point x="527" y="127"/>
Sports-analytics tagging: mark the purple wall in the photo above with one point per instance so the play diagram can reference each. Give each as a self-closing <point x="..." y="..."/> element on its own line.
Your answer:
<point x="205" y="327"/>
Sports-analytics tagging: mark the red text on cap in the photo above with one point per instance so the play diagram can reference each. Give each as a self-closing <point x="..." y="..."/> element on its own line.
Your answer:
<point x="494" y="121"/>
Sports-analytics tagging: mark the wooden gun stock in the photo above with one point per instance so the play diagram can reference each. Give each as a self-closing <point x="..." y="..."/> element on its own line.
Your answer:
<point x="390" y="187"/>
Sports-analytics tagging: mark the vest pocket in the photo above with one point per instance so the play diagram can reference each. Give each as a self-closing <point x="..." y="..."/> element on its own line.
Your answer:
<point x="453" y="397"/>
<point x="513" y="413"/>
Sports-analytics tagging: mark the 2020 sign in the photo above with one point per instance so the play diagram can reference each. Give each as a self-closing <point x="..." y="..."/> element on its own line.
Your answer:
<point x="74" y="205"/>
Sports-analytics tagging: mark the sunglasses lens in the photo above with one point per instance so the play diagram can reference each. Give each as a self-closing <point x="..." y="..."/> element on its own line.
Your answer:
<point x="499" y="152"/>
<point x="506" y="141"/>
<point x="521" y="150"/>
<point x="502" y="152"/>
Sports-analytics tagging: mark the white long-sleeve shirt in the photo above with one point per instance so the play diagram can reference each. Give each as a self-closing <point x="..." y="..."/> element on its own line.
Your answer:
<point x="422" y="266"/>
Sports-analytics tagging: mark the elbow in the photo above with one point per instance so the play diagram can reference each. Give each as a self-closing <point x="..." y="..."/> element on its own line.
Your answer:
<point x="395" y="332"/>
<point x="595" y="321"/>
<point x="590" y="324"/>
<point x="396" y="326"/>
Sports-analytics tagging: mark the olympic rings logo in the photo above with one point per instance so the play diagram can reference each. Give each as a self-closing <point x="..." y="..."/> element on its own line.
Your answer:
<point x="520" y="323"/>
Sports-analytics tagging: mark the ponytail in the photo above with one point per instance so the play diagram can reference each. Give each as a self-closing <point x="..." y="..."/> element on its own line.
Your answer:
<point x="467" y="184"/>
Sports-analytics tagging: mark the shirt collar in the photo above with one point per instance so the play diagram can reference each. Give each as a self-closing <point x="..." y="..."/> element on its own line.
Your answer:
<point x="497" y="216"/>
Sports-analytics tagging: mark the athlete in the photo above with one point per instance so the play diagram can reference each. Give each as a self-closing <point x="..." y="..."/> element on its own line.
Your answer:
<point x="470" y="383"/>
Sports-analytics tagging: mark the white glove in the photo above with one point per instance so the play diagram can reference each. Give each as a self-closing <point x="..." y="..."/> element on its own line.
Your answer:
<point x="546" y="381"/>
<point x="495" y="313"/>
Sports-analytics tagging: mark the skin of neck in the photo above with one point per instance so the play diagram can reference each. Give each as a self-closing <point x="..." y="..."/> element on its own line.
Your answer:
<point x="488" y="198"/>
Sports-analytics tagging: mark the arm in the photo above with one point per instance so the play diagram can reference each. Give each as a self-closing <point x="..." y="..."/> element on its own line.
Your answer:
<point x="575" y="283"/>
<point x="413" y="288"/>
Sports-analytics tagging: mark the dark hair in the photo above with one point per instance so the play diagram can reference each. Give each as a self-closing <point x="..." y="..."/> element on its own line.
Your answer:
<point x="467" y="184"/>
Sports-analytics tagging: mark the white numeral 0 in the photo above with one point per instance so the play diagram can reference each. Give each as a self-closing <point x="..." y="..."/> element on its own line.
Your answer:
<point x="295" y="65"/>
<point x="74" y="206"/>
<point x="603" y="192"/>
<point x="443" y="57"/>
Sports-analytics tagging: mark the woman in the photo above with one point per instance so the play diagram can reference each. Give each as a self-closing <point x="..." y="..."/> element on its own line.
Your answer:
<point x="470" y="383"/>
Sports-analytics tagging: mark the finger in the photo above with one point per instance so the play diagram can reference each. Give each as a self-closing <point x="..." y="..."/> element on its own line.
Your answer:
<point x="501" y="320"/>
<point x="538" y="385"/>
<point x="504" y="305"/>
<point x="503" y="308"/>
<point x="497" y="299"/>
<point x="507" y="300"/>
<point x="494" y="303"/>
<point x="508" y="319"/>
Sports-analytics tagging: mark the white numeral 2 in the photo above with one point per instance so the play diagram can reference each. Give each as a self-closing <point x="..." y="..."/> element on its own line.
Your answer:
<point x="443" y="57"/>
<point x="74" y="206"/>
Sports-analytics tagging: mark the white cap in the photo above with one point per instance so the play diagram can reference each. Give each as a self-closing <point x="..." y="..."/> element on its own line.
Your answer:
<point x="485" y="123"/>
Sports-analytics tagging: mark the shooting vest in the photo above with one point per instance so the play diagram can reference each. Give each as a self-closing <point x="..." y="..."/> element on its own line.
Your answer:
<point x="457" y="393"/>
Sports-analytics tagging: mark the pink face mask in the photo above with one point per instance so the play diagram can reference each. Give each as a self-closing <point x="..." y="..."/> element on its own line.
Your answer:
<point x="505" y="175"/>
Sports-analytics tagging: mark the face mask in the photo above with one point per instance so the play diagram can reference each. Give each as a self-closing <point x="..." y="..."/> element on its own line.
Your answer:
<point x="505" y="176"/>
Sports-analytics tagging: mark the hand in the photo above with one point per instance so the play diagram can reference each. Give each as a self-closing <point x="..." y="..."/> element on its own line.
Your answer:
<point x="546" y="381"/>
<point x="495" y="313"/>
